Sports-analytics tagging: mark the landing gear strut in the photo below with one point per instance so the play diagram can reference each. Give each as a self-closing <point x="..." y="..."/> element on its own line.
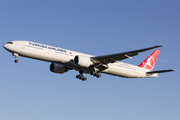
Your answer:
<point x="80" y="76"/>
<point x="16" y="56"/>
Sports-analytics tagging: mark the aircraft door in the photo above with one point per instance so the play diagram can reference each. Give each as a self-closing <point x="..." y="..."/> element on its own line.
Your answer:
<point x="22" y="45"/>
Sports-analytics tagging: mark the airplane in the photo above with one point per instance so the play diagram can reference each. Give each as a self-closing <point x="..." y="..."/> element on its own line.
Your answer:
<point x="63" y="60"/>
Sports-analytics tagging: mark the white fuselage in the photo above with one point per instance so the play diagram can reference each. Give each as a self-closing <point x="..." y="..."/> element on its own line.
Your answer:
<point x="66" y="57"/>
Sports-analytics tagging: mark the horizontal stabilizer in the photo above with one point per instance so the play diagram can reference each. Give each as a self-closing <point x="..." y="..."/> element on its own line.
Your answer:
<point x="160" y="71"/>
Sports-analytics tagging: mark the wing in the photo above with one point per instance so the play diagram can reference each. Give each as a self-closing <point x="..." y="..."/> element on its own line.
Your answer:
<point x="119" y="56"/>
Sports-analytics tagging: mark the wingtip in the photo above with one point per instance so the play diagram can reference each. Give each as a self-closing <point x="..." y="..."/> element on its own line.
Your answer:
<point x="171" y="70"/>
<point x="159" y="46"/>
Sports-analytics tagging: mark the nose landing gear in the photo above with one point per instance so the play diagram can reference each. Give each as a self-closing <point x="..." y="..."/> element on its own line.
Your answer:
<point x="16" y="56"/>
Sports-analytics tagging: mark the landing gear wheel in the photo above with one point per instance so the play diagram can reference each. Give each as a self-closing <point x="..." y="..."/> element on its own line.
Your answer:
<point x="99" y="75"/>
<point x="77" y="76"/>
<point x="81" y="77"/>
<point x="84" y="79"/>
<point x="16" y="61"/>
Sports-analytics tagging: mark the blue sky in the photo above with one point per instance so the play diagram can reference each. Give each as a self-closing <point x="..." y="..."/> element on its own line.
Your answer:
<point x="28" y="90"/>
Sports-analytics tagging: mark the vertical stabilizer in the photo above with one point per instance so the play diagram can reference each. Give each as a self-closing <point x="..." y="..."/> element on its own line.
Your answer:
<point x="150" y="61"/>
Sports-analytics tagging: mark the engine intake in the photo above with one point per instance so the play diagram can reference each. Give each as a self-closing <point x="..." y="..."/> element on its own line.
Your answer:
<point x="57" y="68"/>
<point x="82" y="61"/>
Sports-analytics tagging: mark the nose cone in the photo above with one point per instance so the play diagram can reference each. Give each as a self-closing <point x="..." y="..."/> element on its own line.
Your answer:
<point x="5" y="46"/>
<point x="8" y="47"/>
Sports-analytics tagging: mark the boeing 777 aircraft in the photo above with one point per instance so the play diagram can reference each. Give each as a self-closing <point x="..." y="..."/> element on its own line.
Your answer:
<point x="63" y="60"/>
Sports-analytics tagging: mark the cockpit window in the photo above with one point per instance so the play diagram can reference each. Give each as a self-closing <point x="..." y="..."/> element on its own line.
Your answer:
<point x="10" y="42"/>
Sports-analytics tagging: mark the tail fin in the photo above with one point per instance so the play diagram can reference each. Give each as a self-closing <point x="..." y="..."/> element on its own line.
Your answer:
<point x="150" y="61"/>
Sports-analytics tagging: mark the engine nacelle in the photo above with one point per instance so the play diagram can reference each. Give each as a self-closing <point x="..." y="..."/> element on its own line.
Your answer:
<point x="82" y="61"/>
<point x="57" y="68"/>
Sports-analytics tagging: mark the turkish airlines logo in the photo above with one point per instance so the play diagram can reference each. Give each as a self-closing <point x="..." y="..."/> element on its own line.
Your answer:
<point x="149" y="63"/>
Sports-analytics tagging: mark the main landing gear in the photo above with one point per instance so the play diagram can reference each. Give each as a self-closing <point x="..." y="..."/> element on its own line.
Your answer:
<point x="95" y="74"/>
<point x="16" y="56"/>
<point x="80" y="76"/>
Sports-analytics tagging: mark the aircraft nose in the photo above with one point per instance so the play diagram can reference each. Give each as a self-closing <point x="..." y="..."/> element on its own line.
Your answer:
<point x="5" y="46"/>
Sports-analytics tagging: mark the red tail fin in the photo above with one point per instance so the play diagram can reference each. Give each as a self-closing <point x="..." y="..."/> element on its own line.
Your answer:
<point x="150" y="61"/>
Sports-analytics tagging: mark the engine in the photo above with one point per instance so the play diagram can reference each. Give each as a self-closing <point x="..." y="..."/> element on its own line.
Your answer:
<point x="57" y="68"/>
<point x="82" y="61"/>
